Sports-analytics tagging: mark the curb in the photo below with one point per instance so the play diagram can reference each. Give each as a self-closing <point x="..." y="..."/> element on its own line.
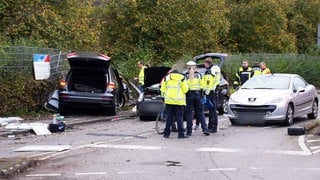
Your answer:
<point x="18" y="166"/>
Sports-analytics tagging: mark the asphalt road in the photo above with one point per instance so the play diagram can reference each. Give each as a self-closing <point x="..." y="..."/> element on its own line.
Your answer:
<point x="131" y="149"/>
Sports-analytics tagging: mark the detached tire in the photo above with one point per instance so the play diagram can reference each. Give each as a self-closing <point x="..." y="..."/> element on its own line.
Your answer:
<point x="296" y="131"/>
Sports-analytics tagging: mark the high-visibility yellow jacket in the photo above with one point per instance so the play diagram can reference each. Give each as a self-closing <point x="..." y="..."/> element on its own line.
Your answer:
<point x="257" y="71"/>
<point x="266" y="71"/>
<point x="210" y="81"/>
<point x="141" y="75"/>
<point x="196" y="83"/>
<point x="174" y="89"/>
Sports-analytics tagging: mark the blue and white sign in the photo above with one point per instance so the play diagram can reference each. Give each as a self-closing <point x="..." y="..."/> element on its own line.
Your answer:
<point x="41" y="64"/>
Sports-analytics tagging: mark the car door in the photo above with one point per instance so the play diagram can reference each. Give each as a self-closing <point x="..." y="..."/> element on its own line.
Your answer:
<point x="301" y="96"/>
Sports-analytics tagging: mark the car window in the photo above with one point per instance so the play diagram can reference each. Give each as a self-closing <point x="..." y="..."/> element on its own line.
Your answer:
<point x="267" y="82"/>
<point x="298" y="82"/>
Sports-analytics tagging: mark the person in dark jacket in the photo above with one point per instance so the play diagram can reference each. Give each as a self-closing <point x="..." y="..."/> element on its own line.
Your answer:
<point x="244" y="73"/>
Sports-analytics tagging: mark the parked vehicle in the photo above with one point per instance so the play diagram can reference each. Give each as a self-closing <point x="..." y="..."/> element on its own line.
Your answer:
<point x="273" y="98"/>
<point x="222" y="91"/>
<point x="150" y="102"/>
<point x="91" y="83"/>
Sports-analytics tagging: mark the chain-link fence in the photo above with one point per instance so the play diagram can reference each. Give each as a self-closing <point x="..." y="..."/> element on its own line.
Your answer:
<point x="19" y="59"/>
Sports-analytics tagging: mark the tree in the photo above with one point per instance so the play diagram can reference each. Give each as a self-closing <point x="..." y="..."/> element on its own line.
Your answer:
<point x="303" y="18"/>
<point x="260" y="27"/>
<point x="167" y="28"/>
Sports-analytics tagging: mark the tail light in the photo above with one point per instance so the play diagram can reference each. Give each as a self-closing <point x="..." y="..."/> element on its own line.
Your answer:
<point x="63" y="84"/>
<point x="111" y="86"/>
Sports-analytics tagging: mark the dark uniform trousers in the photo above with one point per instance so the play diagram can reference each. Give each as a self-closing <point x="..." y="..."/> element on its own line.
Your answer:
<point x="213" y="117"/>
<point x="194" y="102"/>
<point x="174" y="112"/>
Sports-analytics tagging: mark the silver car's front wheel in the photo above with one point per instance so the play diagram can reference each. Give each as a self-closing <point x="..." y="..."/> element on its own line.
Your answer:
<point x="314" y="113"/>
<point x="289" y="116"/>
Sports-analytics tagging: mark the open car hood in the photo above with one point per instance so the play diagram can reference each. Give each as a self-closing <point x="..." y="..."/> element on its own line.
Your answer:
<point x="154" y="75"/>
<point x="88" y="60"/>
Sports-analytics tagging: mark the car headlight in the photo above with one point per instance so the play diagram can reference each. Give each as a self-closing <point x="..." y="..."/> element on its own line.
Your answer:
<point x="276" y="100"/>
<point x="233" y="100"/>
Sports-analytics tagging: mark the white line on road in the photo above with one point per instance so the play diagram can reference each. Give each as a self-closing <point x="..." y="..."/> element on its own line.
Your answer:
<point x="90" y="173"/>
<point x="311" y="141"/>
<point x="316" y="152"/>
<point x="315" y="147"/>
<point x="126" y="146"/>
<point x="303" y="145"/>
<point x="42" y="175"/>
<point x="212" y="149"/>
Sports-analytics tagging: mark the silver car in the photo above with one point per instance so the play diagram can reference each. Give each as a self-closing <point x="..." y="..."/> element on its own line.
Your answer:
<point x="273" y="98"/>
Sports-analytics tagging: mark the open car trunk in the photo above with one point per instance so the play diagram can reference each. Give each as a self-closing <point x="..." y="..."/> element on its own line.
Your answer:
<point x="87" y="80"/>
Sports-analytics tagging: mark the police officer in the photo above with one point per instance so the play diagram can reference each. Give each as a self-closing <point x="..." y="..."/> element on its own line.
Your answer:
<point x="194" y="99"/>
<point x="141" y="76"/>
<point x="211" y="79"/>
<point x="256" y="68"/>
<point x="244" y="73"/>
<point x="174" y="89"/>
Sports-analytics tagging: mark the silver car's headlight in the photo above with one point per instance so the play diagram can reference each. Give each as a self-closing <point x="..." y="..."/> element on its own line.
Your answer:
<point x="276" y="100"/>
<point x="233" y="100"/>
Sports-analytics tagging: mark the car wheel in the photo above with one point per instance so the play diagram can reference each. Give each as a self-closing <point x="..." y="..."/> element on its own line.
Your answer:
<point x="121" y="100"/>
<point x="224" y="106"/>
<point x="63" y="110"/>
<point x="314" y="113"/>
<point x="289" y="116"/>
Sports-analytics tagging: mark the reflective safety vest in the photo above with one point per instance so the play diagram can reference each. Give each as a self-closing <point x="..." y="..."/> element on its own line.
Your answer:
<point x="195" y="83"/>
<point x="174" y="89"/>
<point x="257" y="71"/>
<point x="141" y="75"/>
<point x="266" y="71"/>
<point x="244" y="75"/>
<point x="210" y="81"/>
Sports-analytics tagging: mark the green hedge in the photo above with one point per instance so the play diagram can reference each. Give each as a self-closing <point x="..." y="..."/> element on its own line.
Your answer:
<point x="306" y="66"/>
<point x="21" y="94"/>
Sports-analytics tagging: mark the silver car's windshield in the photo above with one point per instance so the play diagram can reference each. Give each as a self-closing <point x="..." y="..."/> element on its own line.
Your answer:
<point x="267" y="82"/>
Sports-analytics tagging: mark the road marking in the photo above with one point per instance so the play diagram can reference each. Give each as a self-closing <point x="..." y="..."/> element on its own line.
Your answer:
<point x="314" y="147"/>
<point x="90" y="173"/>
<point x="212" y="149"/>
<point x="136" y="147"/>
<point x="223" y="169"/>
<point x="42" y="175"/>
<point x="311" y="141"/>
<point x="303" y="145"/>
<point x="316" y="152"/>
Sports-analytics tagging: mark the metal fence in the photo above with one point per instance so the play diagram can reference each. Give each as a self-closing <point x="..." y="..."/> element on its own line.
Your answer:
<point x="19" y="59"/>
<point x="15" y="59"/>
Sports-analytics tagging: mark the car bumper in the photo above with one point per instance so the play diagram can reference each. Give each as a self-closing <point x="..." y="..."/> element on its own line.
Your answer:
<point x="270" y="113"/>
<point x="149" y="107"/>
<point x="86" y="101"/>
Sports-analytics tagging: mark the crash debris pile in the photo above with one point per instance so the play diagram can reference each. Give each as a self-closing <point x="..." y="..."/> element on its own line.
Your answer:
<point x="14" y="125"/>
